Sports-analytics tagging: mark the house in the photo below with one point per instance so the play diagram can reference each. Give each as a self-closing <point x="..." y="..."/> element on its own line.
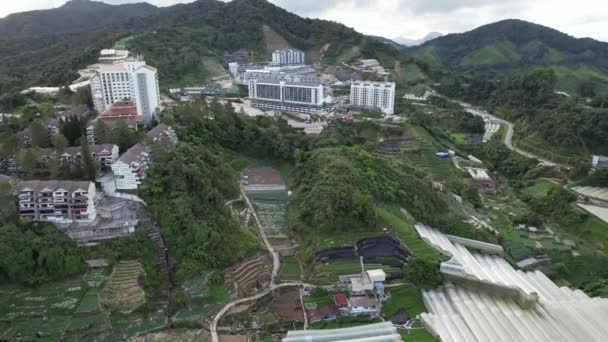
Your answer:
<point x="121" y="111"/>
<point x="130" y="168"/>
<point x="57" y="201"/>
<point x="105" y="154"/>
<point x="341" y="300"/>
<point x="363" y="305"/>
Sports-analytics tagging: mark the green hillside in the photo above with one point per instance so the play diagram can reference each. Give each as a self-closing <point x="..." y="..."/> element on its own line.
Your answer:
<point x="185" y="41"/>
<point x="512" y="46"/>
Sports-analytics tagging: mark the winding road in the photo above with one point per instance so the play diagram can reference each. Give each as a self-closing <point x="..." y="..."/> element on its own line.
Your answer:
<point x="509" y="136"/>
<point x="276" y="264"/>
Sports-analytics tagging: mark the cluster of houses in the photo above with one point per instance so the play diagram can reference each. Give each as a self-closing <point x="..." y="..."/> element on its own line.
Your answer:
<point x="75" y="201"/>
<point x="362" y="295"/>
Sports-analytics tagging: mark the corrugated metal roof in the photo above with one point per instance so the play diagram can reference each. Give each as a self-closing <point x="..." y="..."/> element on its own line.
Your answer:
<point x="460" y="312"/>
<point x="380" y="332"/>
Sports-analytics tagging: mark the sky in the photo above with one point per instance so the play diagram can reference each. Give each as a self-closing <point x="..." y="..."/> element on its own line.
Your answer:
<point x="416" y="18"/>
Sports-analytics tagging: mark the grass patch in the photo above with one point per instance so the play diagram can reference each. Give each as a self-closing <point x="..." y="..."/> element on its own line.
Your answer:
<point x="539" y="190"/>
<point x="290" y="269"/>
<point x="406" y="297"/>
<point x="459" y="138"/>
<point x="407" y="233"/>
<point x="345" y="322"/>
<point x="416" y="335"/>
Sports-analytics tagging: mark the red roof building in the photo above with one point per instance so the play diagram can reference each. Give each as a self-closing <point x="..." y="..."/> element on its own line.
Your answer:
<point x="341" y="300"/>
<point x="121" y="111"/>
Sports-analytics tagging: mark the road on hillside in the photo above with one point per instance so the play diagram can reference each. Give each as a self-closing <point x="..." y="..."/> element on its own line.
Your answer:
<point x="509" y="136"/>
<point x="276" y="263"/>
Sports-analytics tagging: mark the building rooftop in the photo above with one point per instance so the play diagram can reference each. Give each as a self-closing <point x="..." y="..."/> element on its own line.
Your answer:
<point x="158" y="131"/>
<point x="480" y="305"/>
<point x="278" y="77"/>
<point x="53" y="185"/>
<point x="379" y="332"/>
<point x="363" y="301"/>
<point x="341" y="299"/>
<point x="134" y="154"/>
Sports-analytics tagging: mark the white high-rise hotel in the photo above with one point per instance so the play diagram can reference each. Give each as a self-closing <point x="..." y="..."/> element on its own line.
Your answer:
<point x="369" y="94"/>
<point x="287" y="57"/>
<point x="291" y="93"/>
<point x="132" y="80"/>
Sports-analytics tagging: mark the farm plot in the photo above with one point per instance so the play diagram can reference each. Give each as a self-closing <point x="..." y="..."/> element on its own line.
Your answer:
<point x="273" y="217"/>
<point x="95" y="277"/>
<point x="242" y="277"/>
<point x="122" y="292"/>
<point x="290" y="269"/>
<point x="44" y="311"/>
<point x="286" y="305"/>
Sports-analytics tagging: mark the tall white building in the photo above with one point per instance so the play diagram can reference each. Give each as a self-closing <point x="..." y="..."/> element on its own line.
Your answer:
<point x="380" y="95"/>
<point x="290" y="93"/>
<point x="130" y="80"/>
<point x="287" y="57"/>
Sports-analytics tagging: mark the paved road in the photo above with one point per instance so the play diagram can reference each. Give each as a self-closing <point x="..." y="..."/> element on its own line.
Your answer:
<point x="276" y="264"/>
<point x="509" y="136"/>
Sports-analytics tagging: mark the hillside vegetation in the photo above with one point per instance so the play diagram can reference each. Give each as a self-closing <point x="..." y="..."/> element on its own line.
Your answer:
<point x="513" y="45"/>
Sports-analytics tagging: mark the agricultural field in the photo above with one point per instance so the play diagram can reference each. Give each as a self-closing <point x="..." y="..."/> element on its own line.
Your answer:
<point x="123" y="292"/>
<point x="242" y="276"/>
<point x="290" y="269"/>
<point x="425" y="159"/>
<point x="418" y="334"/>
<point x="327" y="274"/>
<point x="47" y="310"/>
<point x="539" y="190"/>
<point x="286" y="305"/>
<point x="407" y="233"/>
<point x="345" y="322"/>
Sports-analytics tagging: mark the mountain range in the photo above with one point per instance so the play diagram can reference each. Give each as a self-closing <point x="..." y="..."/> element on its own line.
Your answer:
<point x="415" y="42"/>
<point x="187" y="41"/>
<point x="513" y="45"/>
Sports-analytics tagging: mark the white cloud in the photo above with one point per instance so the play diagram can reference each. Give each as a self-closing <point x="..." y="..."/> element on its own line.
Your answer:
<point x="415" y="18"/>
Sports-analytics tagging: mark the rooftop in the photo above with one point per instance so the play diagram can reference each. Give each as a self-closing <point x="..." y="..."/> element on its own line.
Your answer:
<point x="462" y="311"/>
<point x="134" y="154"/>
<point x="53" y="185"/>
<point x="379" y="332"/>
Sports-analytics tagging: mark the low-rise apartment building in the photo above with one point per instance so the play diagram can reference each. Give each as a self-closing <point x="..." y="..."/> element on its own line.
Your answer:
<point x="163" y="131"/>
<point x="130" y="168"/>
<point x="57" y="201"/>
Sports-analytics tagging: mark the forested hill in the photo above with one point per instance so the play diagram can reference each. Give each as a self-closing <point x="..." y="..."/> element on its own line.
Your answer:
<point x="514" y="45"/>
<point x="185" y="41"/>
<point x="46" y="46"/>
<point x="74" y="16"/>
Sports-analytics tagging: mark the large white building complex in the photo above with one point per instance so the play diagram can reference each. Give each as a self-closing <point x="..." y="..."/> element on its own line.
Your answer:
<point x="128" y="80"/>
<point x="57" y="201"/>
<point x="486" y="299"/>
<point x="287" y="57"/>
<point x="290" y="93"/>
<point x="374" y="95"/>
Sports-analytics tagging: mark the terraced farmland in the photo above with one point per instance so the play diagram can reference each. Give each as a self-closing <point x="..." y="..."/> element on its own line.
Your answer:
<point x="242" y="276"/>
<point x="45" y="311"/>
<point x="122" y="292"/>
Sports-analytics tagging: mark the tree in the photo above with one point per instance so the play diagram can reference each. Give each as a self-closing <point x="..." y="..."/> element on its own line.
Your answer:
<point x="101" y="132"/>
<point x="89" y="167"/>
<point x="423" y="272"/>
<point x="28" y="160"/>
<point x="72" y="129"/>
<point x="123" y="136"/>
<point x="39" y="134"/>
<point x="59" y="142"/>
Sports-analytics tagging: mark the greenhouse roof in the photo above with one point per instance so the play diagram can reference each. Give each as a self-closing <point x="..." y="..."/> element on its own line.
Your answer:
<point x="380" y="332"/>
<point x="472" y="310"/>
